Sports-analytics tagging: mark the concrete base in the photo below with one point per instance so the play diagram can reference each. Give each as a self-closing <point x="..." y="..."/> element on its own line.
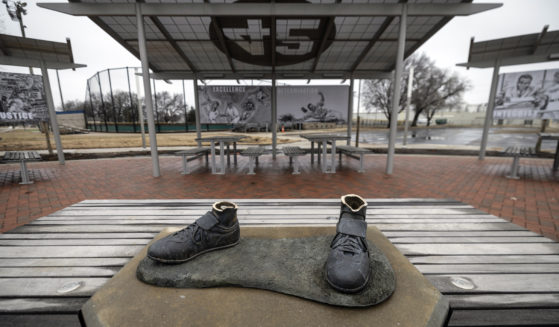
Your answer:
<point x="124" y="300"/>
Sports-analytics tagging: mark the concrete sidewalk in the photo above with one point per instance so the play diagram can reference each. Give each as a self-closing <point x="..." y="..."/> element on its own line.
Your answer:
<point x="531" y="202"/>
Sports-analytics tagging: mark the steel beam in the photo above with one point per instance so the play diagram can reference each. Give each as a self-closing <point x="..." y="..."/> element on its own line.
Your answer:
<point x="349" y="112"/>
<point x="17" y="61"/>
<point x="52" y="114"/>
<point x="197" y="112"/>
<point x="269" y="9"/>
<point x="489" y="112"/>
<point x="396" y="94"/>
<point x="147" y="91"/>
<point x="218" y="75"/>
<point x="274" y="118"/>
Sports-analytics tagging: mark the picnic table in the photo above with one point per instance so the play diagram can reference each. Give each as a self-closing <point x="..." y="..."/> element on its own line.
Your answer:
<point x="324" y="139"/>
<point x="222" y="140"/>
<point x="552" y="136"/>
<point x="493" y="272"/>
<point x="22" y="157"/>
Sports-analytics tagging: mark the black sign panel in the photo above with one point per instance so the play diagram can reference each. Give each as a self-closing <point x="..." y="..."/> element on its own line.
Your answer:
<point x="249" y="39"/>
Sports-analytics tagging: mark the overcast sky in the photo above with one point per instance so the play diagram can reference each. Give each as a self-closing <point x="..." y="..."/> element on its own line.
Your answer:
<point x="93" y="47"/>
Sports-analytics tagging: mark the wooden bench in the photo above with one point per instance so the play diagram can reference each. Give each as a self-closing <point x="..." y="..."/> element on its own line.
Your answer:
<point x="516" y="152"/>
<point x="491" y="271"/>
<point x="195" y="153"/>
<point x="349" y="150"/>
<point x="252" y="153"/>
<point x="293" y="152"/>
<point x="22" y="157"/>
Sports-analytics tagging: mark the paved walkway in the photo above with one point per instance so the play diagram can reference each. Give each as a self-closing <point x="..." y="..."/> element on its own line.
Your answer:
<point x="531" y="202"/>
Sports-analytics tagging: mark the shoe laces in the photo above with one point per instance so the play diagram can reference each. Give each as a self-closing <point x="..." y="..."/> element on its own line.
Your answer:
<point x="349" y="244"/>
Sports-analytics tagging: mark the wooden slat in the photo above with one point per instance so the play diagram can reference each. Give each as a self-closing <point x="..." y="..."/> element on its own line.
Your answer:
<point x="22" y="236"/>
<point x="455" y="239"/>
<point x="495" y="233"/>
<point x="58" y="320"/>
<point x="64" y="262"/>
<point x="267" y="201"/>
<point x="255" y="220"/>
<point x="485" y="259"/>
<point x="488" y="269"/>
<point x="516" y="317"/>
<point x="33" y="287"/>
<point x="58" y="272"/>
<point x="126" y="241"/>
<point x="42" y="305"/>
<point x="474" y="301"/>
<point x="241" y="212"/>
<point x="158" y="228"/>
<point x="498" y="283"/>
<point x="473" y="249"/>
<point x="69" y="251"/>
<point x="277" y="215"/>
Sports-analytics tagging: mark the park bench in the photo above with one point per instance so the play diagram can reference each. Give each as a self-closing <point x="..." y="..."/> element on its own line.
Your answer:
<point x="194" y="153"/>
<point x="350" y="151"/>
<point x="22" y="157"/>
<point x="252" y="153"/>
<point x="516" y="152"/>
<point x="293" y="152"/>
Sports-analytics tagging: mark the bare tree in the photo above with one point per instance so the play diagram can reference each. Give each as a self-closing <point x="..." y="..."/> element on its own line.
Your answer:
<point x="377" y="94"/>
<point x="433" y="89"/>
<point x="169" y="107"/>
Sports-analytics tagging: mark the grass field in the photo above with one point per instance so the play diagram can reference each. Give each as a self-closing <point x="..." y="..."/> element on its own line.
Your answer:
<point x="33" y="139"/>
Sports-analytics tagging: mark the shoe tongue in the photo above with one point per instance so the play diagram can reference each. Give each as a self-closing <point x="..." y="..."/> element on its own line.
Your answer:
<point x="348" y="213"/>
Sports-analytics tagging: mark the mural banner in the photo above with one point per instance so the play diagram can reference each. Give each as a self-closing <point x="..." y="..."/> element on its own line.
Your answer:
<point x="235" y="104"/>
<point x="22" y="98"/>
<point x="323" y="103"/>
<point x="528" y="95"/>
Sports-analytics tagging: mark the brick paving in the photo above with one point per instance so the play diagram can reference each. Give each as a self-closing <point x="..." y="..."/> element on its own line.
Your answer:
<point x="531" y="202"/>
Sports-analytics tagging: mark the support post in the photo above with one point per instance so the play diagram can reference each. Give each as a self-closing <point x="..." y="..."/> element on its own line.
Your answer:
<point x="349" y="112"/>
<point x="185" y="107"/>
<point x="358" y="118"/>
<point x="489" y="112"/>
<point x="131" y="101"/>
<point x="408" y="104"/>
<point x="274" y="118"/>
<point x="60" y="91"/>
<point x="52" y="113"/>
<point x="147" y="91"/>
<point x="397" y="87"/>
<point x="140" y="110"/>
<point x="115" y="119"/>
<point x="197" y="112"/>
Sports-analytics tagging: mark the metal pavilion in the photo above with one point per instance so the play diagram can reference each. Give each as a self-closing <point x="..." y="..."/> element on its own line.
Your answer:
<point x="284" y="39"/>
<point x="20" y="51"/>
<point x="516" y="50"/>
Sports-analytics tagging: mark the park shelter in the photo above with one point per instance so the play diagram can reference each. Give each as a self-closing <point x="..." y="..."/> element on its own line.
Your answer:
<point x="288" y="39"/>
<point x="516" y="50"/>
<point x="26" y="52"/>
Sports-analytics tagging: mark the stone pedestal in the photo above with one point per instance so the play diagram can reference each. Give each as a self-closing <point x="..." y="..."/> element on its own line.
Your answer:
<point x="125" y="300"/>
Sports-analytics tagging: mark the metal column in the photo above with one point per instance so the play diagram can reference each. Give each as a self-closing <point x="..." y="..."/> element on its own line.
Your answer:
<point x="349" y="112"/>
<point x="147" y="90"/>
<point x="397" y="87"/>
<point x="274" y="118"/>
<point x="489" y="112"/>
<point x="140" y="109"/>
<point x="52" y="113"/>
<point x="197" y="112"/>
<point x="408" y="104"/>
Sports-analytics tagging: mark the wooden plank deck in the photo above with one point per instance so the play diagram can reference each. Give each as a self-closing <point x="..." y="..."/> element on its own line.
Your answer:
<point x="493" y="272"/>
